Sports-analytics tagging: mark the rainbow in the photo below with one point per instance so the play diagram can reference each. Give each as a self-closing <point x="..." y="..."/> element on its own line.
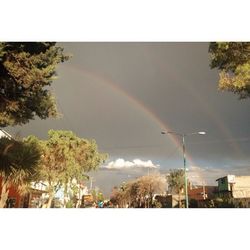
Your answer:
<point x="211" y="113"/>
<point x="101" y="79"/>
<point x="147" y="111"/>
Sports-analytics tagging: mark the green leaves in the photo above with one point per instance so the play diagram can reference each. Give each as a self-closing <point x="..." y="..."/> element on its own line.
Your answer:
<point x="66" y="157"/>
<point x="18" y="158"/>
<point x="26" y="70"/>
<point x="176" y="180"/>
<point x="233" y="61"/>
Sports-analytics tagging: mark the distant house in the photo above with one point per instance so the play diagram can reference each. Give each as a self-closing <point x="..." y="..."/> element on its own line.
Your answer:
<point x="236" y="188"/>
<point x="200" y="195"/>
<point x="201" y="192"/>
<point x="170" y="200"/>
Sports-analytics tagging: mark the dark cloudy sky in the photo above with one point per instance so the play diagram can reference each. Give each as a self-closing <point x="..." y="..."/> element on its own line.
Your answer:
<point x="124" y="94"/>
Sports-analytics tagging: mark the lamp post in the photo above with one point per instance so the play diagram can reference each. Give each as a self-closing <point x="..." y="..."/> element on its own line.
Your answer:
<point x="184" y="156"/>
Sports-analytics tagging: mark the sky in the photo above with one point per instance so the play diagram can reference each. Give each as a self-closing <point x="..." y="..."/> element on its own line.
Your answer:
<point x="161" y="77"/>
<point x="124" y="94"/>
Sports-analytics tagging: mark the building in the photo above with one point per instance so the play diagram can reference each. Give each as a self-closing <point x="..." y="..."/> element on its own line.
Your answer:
<point x="170" y="200"/>
<point x="199" y="195"/>
<point x="15" y="199"/>
<point x="235" y="188"/>
<point x="201" y="192"/>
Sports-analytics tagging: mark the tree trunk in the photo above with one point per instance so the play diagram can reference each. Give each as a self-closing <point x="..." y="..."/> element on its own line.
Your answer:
<point x="179" y="201"/>
<point x="4" y="194"/>
<point x="150" y="200"/>
<point x="65" y="195"/>
<point x="51" y="196"/>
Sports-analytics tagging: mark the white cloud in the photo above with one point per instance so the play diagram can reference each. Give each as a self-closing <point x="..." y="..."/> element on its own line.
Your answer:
<point x="136" y="163"/>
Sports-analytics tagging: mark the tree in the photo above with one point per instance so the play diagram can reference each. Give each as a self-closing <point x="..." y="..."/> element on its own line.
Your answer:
<point x="26" y="71"/>
<point x="119" y="196"/>
<point x="66" y="158"/>
<point x="223" y="203"/>
<point x="176" y="182"/>
<point x="232" y="59"/>
<point x="115" y="196"/>
<point x="139" y="192"/>
<point x="148" y="186"/>
<point x="98" y="197"/>
<point x="18" y="161"/>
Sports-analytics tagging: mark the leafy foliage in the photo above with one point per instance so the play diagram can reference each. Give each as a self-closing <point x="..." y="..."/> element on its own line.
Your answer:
<point x="17" y="157"/>
<point x="26" y="71"/>
<point x="18" y="161"/>
<point x="176" y="182"/>
<point x="97" y="195"/>
<point x="65" y="159"/>
<point x="139" y="192"/>
<point x="233" y="61"/>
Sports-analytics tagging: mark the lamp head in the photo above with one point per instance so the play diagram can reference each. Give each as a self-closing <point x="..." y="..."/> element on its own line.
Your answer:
<point x="202" y="133"/>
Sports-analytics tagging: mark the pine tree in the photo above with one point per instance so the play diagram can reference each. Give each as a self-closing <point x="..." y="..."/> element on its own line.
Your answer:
<point x="26" y="71"/>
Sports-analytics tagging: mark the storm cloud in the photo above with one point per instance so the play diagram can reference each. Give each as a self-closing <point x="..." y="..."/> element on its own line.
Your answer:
<point x="124" y="94"/>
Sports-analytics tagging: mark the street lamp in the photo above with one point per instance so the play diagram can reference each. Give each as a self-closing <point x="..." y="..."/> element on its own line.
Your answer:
<point x="184" y="155"/>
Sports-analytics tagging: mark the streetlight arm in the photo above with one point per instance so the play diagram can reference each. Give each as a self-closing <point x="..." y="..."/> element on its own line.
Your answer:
<point x="196" y="133"/>
<point x="171" y="132"/>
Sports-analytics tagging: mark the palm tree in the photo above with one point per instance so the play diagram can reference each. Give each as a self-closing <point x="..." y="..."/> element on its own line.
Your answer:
<point x="18" y="160"/>
<point x="176" y="182"/>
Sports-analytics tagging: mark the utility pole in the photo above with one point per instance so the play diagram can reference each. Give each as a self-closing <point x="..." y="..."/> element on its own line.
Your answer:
<point x="204" y="191"/>
<point x="185" y="169"/>
<point x="184" y="157"/>
<point x="91" y="182"/>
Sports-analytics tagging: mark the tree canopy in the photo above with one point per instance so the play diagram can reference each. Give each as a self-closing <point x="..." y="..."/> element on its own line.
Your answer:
<point x="232" y="59"/>
<point x="26" y="71"/>
<point x="65" y="158"/>
<point x="139" y="192"/>
<point x="176" y="182"/>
